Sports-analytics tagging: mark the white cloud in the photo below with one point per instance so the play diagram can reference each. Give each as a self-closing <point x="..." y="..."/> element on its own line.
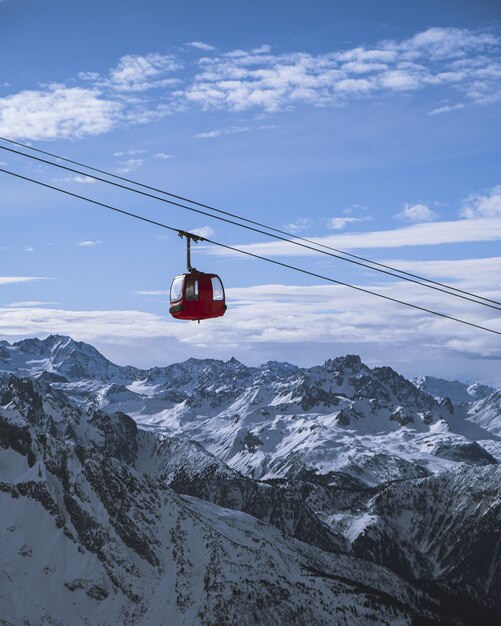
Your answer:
<point x="89" y="243"/>
<point x="470" y="274"/>
<point x="447" y="43"/>
<point x="128" y="166"/>
<point x="302" y="223"/>
<point x="244" y="79"/>
<point x="92" y="76"/>
<point x="200" y="45"/>
<point x="301" y="324"/>
<point x="28" y="249"/>
<point x="401" y="80"/>
<point x="9" y="280"/>
<point x="427" y="234"/>
<point x="416" y="213"/>
<point x="30" y="303"/>
<point x="446" y="108"/>
<point x="81" y="180"/>
<point x="354" y="86"/>
<point x="139" y="73"/>
<point x="457" y="60"/>
<point x="162" y="156"/>
<point x="204" y="231"/>
<point x="57" y="112"/>
<point x="132" y="152"/>
<point x="159" y="292"/>
<point x="486" y="205"/>
<point x="232" y="130"/>
<point x="263" y="49"/>
<point x="355" y="208"/>
<point x="337" y="223"/>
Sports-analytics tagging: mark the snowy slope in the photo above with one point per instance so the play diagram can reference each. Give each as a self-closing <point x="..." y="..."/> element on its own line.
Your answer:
<point x="91" y="534"/>
<point x="457" y="392"/>
<point x="486" y="413"/>
<point x="167" y="524"/>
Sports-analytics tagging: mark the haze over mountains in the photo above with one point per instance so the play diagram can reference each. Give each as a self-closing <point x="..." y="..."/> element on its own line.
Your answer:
<point x="209" y="492"/>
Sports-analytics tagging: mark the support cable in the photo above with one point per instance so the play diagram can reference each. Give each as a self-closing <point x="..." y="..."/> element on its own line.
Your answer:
<point x="251" y="254"/>
<point x="395" y="273"/>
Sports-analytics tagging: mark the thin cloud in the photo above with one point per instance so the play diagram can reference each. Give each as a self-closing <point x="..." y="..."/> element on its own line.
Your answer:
<point x="427" y="234"/>
<point x="128" y="166"/>
<point x="446" y="108"/>
<point x="417" y="213"/>
<point x="204" y="231"/>
<point x="90" y="76"/>
<point x="80" y="180"/>
<point x="200" y="45"/>
<point x="30" y="303"/>
<point x="232" y="130"/>
<point x="9" y="280"/>
<point x="486" y="205"/>
<point x="132" y="152"/>
<point x="162" y="156"/>
<point x="355" y="209"/>
<point x="89" y="243"/>
<point x="140" y="73"/>
<point x="302" y="223"/>
<point x="469" y="274"/>
<point x="338" y="223"/>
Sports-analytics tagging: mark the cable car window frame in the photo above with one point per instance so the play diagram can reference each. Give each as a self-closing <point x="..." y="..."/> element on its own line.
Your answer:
<point x="217" y="289"/>
<point x="191" y="290"/>
<point x="177" y="288"/>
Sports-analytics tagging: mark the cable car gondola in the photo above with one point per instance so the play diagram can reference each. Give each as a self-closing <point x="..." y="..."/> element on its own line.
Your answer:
<point x="196" y="295"/>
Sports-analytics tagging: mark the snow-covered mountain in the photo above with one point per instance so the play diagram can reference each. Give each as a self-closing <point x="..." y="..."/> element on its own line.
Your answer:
<point x="337" y="494"/>
<point x="279" y="420"/>
<point x="91" y="534"/>
<point x="458" y="393"/>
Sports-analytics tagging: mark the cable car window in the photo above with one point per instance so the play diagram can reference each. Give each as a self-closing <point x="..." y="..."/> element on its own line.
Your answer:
<point x="176" y="290"/>
<point x="191" y="288"/>
<point x="217" y="289"/>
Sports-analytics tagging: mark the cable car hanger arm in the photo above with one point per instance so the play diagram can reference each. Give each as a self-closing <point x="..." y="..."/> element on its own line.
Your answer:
<point x="189" y="238"/>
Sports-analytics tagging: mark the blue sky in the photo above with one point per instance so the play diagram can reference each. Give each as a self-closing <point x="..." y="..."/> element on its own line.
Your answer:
<point x="373" y="127"/>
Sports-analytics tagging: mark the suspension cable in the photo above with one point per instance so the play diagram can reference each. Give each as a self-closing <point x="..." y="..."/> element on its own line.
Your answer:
<point x="256" y="256"/>
<point x="396" y="273"/>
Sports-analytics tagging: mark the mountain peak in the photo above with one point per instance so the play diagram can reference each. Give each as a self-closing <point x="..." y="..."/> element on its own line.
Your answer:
<point x="351" y="361"/>
<point x="42" y="345"/>
<point x="64" y="354"/>
<point x="281" y="365"/>
<point x="456" y="391"/>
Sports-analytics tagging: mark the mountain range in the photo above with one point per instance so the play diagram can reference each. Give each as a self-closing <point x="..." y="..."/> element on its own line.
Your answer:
<point x="209" y="492"/>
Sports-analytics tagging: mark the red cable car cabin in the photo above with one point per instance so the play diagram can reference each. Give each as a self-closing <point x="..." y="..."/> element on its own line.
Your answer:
<point x="197" y="296"/>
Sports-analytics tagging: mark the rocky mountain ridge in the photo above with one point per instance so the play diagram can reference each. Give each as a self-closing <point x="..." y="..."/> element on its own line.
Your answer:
<point x="278" y="420"/>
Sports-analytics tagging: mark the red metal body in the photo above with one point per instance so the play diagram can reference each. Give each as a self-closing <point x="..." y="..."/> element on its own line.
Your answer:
<point x="197" y="296"/>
